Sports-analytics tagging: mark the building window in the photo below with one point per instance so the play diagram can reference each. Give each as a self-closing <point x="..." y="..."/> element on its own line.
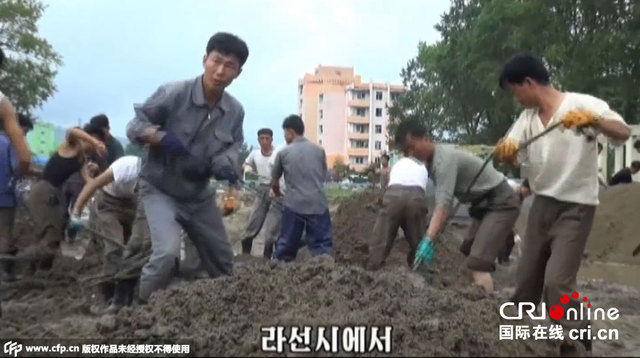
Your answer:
<point x="378" y="145"/>
<point x="359" y="144"/>
<point x="359" y="128"/>
<point x="378" y="129"/>
<point x="360" y="95"/>
<point x="321" y="98"/>
<point x="321" y="129"/>
<point x="378" y="112"/>
<point x="379" y="95"/>
<point x="377" y="161"/>
<point x="321" y="114"/>
<point x="360" y="112"/>
<point x="360" y="160"/>
<point x="394" y="96"/>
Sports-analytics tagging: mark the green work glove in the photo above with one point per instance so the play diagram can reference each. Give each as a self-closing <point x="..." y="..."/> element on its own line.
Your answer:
<point x="424" y="253"/>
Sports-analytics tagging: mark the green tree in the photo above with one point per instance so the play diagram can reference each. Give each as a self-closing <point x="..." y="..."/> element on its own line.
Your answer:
<point x="340" y="170"/>
<point x="31" y="65"/>
<point x="589" y="46"/>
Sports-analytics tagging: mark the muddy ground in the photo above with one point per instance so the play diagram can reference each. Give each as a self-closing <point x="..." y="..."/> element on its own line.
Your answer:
<point x="431" y="313"/>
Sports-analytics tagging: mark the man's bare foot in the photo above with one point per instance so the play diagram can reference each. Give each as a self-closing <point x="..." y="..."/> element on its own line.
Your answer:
<point x="482" y="279"/>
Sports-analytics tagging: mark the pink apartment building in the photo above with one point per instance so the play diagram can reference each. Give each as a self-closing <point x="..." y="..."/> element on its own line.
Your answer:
<point x="347" y="117"/>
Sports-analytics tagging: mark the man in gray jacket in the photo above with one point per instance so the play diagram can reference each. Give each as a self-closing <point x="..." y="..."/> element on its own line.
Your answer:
<point x="194" y="131"/>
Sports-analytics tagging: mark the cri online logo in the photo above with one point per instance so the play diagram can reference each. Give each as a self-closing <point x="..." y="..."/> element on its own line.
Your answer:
<point x="557" y="312"/>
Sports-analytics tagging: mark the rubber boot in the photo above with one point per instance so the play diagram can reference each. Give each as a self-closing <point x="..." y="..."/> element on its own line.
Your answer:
<point x="123" y="295"/>
<point x="246" y="246"/>
<point x="9" y="269"/>
<point x="108" y="292"/>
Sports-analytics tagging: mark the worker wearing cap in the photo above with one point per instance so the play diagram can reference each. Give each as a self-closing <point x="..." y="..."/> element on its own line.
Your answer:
<point x="194" y="130"/>
<point x="562" y="172"/>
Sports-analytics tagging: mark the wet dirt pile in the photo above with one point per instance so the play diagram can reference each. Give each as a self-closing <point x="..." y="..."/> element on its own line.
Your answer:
<point x="224" y="316"/>
<point x="616" y="227"/>
<point x="436" y="314"/>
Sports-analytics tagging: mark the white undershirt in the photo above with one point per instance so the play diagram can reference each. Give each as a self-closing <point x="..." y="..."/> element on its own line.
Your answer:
<point x="409" y="172"/>
<point x="260" y="163"/>
<point x="563" y="164"/>
<point x="126" y="171"/>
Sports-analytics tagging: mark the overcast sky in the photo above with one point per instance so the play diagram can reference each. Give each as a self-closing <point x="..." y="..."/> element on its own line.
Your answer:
<point x="117" y="52"/>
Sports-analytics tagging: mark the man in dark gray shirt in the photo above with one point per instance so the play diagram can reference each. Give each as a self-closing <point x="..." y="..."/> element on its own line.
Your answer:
<point x="304" y="166"/>
<point x="494" y="207"/>
<point x="114" y="147"/>
<point x="194" y="131"/>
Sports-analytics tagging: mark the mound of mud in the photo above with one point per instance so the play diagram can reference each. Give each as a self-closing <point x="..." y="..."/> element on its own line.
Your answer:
<point x="225" y="316"/>
<point x="616" y="228"/>
<point x="353" y="226"/>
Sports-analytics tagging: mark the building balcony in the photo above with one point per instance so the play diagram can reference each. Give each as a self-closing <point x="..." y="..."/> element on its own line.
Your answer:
<point x="358" y="152"/>
<point x="359" y="136"/>
<point x="358" y="120"/>
<point x="359" y="103"/>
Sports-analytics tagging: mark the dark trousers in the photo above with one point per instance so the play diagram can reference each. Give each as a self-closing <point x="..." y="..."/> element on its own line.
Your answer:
<point x="556" y="236"/>
<point x="317" y="228"/>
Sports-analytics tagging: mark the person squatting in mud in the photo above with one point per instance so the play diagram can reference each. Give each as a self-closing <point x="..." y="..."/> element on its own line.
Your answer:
<point x="46" y="202"/>
<point x="404" y="202"/>
<point x="8" y="198"/>
<point x="562" y="172"/>
<point x="304" y="167"/>
<point x="120" y="216"/>
<point x="258" y="162"/>
<point x="194" y="131"/>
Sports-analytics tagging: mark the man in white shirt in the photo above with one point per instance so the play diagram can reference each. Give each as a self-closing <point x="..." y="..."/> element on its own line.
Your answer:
<point x="258" y="162"/>
<point x="119" y="216"/>
<point x="404" y="203"/>
<point x="562" y="172"/>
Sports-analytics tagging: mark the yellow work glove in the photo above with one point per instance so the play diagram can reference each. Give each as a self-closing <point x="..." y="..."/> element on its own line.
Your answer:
<point x="579" y="119"/>
<point x="507" y="150"/>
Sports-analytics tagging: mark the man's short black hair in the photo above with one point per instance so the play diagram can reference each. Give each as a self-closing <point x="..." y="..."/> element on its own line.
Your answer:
<point x="1" y="59"/>
<point x="25" y="121"/>
<point x="413" y="128"/>
<point x="635" y="164"/>
<point x="94" y="130"/>
<point x="385" y="156"/>
<point x="521" y="66"/>
<point x="228" y="44"/>
<point x="100" y="121"/>
<point x="294" y="122"/>
<point x="636" y="144"/>
<point x="265" y="131"/>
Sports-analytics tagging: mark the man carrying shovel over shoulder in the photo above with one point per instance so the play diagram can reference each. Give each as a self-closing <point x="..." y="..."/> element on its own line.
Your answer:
<point x="120" y="217"/>
<point x="563" y="175"/>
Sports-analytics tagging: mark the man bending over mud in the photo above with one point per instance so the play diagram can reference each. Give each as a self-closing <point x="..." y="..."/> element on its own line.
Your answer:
<point x="404" y="203"/>
<point x="194" y="132"/>
<point x="563" y="175"/>
<point x="494" y="207"/>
